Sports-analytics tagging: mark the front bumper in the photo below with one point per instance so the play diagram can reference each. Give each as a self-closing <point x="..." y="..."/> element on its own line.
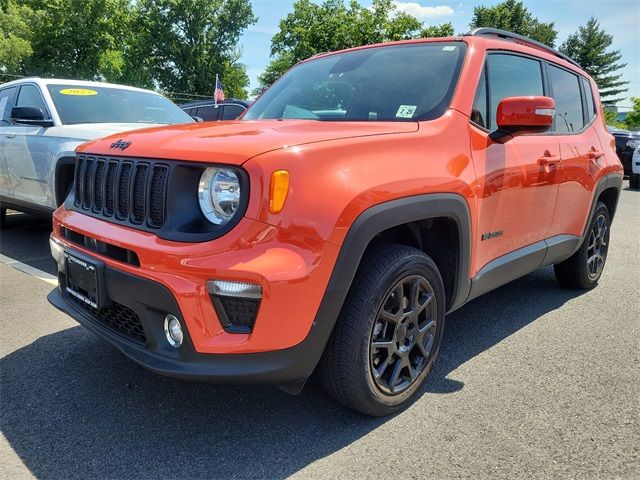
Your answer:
<point x="151" y="302"/>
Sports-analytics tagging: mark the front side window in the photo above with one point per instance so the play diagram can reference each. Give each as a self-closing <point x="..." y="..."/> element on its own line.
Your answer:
<point x="479" y="112"/>
<point x="6" y="103"/>
<point x="511" y="76"/>
<point x="29" y="96"/>
<point x="390" y="83"/>
<point x="96" y="104"/>
<point x="566" y="93"/>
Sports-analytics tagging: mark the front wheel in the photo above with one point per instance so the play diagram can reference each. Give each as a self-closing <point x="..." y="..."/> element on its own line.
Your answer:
<point x="584" y="268"/>
<point x="388" y="333"/>
<point x="634" y="181"/>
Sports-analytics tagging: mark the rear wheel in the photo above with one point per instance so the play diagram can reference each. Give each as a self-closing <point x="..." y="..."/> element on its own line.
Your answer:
<point x="584" y="268"/>
<point x="634" y="181"/>
<point x="388" y="333"/>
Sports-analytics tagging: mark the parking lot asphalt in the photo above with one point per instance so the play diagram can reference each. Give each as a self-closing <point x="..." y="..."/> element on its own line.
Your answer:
<point x="533" y="381"/>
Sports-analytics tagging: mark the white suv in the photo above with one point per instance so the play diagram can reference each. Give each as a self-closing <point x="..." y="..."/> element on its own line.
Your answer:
<point x="634" y="178"/>
<point x="42" y="121"/>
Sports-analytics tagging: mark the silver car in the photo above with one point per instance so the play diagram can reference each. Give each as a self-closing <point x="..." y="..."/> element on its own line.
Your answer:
<point x="42" y="121"/>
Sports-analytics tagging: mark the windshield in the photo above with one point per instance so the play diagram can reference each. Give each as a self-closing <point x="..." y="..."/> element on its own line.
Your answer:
<point x="95" y="104"/>
<point x="390" y="83"/>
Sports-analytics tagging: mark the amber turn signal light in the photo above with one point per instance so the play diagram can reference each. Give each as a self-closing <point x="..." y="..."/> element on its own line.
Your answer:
<point x="278" y="190"/>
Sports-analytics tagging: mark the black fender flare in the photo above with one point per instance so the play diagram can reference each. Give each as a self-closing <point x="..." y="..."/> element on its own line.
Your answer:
<point x="613" y="180"/>
<point x="367" y="225"/>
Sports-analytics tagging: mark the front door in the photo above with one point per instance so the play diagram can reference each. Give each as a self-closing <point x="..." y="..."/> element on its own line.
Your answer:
<point x="516" y="186"/>
<point x="26" y="153"/>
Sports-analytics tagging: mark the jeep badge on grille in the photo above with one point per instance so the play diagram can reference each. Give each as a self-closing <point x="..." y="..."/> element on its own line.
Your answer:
<point x="121" y="144"/>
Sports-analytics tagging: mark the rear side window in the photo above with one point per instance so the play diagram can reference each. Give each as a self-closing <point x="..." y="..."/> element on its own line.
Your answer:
<point x="208" y="113"/>
<point x="566" y="93"/>
<point x="591" y="104"/>
<point x="231" y="112"/>
<point x="511" y="76"/>
<point x="29" y="96"/>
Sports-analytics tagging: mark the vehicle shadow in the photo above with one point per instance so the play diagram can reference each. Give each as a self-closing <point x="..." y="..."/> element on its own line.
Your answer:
<point x="72" y="406"/>
<point x="487" y="320"/>
<point x="26" y="238"/>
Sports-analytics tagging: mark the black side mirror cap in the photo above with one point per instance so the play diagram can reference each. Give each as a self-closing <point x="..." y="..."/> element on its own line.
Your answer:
<point x="30" y="116"/>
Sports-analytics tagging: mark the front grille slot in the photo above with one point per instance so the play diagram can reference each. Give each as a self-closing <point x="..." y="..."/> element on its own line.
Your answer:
<point x="109" y="192"/>
<point x="133" y="191"/>
<point x="139" y="192"/>
<point x="106" y="249"/>
<point x="123" y="191"/>
<point x="97" y="187"/>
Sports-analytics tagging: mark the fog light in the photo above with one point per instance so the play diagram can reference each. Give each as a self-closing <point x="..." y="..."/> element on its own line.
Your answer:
<point x="173" y="331"/>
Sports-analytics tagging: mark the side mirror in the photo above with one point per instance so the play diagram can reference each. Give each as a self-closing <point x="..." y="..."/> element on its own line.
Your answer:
<point x="197" y="119"/>
<point x="518" y="115"/>
<point x="30" y="116"/>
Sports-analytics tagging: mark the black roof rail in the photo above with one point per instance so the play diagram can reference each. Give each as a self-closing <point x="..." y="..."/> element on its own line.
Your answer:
<point x="477" y="32"/>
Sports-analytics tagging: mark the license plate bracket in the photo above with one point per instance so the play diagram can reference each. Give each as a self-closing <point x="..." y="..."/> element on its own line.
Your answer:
<point x="84" y="280"/>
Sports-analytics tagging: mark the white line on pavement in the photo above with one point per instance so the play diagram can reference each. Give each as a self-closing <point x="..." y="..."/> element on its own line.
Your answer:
<point x="29" y="270"/>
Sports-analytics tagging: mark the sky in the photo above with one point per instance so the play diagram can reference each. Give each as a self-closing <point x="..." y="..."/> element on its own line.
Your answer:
<point x="621" y="18"/>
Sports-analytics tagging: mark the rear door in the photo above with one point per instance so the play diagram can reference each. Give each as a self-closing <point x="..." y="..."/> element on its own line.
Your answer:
<point x="516" y="185"/>
<point x="580" y="149"/>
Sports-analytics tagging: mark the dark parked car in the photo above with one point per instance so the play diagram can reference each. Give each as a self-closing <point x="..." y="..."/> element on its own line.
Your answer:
<point x="626" y="143"/>
<point x="207" y="110"/>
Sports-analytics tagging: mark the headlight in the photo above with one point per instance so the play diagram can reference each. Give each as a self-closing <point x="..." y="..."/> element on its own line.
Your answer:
<point x="219" y="194"/>
<point x="633" y="143"/>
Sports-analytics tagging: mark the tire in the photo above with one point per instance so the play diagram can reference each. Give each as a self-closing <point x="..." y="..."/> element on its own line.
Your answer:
<point x="584" y="268"/>
<point x="360" y="375"/>
<point x="634" y="181"/>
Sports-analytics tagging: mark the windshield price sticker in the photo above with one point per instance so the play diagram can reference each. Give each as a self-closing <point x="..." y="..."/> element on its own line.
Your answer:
<point x="81" y="92"/>
<point x="406" y="111"/>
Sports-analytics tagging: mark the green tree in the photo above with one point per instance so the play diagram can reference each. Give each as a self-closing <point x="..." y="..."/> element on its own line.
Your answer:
<point x="313" y="28"/>
<point x="77" y="38"/>
<point x="632" y="121"/>
<point x="15" y="36"/>
<point x="182" y="44"/>
<point x="513" y="16"/>
<point x="589" y="46"/>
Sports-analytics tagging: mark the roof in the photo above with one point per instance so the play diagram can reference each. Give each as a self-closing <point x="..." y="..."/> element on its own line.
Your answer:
<point x="83" y="83"/>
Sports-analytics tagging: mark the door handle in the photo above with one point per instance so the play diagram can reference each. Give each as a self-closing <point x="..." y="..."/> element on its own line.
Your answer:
<point x="548" y="160"/>
<point x="10" y="135"/>
<point x="595" y="154"/>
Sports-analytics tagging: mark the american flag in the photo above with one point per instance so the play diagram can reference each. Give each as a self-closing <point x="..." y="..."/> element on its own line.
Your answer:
<point x="218" y="91"/>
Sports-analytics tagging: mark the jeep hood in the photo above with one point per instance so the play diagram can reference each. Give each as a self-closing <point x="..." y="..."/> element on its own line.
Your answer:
<point x="235" y="142"/>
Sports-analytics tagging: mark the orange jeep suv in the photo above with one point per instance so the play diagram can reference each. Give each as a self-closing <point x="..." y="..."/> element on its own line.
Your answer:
<point x="362" y="197"/>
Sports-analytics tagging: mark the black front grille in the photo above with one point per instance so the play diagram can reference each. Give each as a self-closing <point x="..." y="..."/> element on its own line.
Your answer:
<point x="127" y="190"/>
<point x="117" y="317"/>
